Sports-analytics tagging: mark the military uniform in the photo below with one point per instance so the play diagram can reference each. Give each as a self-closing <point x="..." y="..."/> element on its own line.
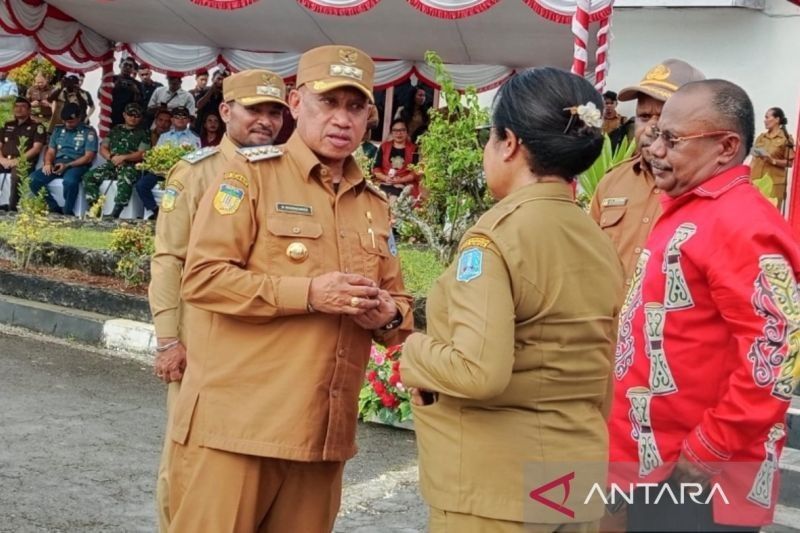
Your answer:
<point x="268" y="405"/>
<point x="519" y="348"/>
<point x="12" y="132"/>
<point x="121" y="141"/>
<point x="69" y="145"/>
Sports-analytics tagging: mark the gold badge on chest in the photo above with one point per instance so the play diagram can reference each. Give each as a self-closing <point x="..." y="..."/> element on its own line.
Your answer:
<point x="297" y="252"/>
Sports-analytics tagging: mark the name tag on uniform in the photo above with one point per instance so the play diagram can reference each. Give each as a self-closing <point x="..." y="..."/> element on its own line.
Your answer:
<point x="294" y="209"/>
<point x="614" y="202"/>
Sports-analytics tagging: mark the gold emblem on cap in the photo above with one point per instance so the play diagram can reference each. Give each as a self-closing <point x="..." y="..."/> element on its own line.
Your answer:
<point x="348" y="57"/>
<point x="297" y="252"/>
<point x="658" y="73"/>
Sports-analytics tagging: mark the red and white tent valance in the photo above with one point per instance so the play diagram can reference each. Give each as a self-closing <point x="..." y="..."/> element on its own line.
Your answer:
<point x="34" y="26"/>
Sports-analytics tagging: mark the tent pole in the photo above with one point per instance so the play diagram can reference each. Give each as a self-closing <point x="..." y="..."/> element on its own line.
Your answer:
<point x="387" y="112"/>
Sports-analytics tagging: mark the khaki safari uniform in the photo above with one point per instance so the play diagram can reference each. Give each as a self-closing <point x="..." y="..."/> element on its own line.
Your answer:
<point x="777" y="147"/>
<point x="626" y="205"/>
<point x="271" y="388"/>
<point x="122" y="140"/>
<point x="519" y="348"/>
<point x="12" y="132"/>
<point x="186" y="183"/>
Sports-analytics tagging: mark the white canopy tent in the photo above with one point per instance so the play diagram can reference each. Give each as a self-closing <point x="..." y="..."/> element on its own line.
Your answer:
<point x="483" y="41"/>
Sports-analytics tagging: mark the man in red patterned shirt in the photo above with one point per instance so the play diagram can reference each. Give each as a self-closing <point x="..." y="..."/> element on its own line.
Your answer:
<point x="710" y="330"/>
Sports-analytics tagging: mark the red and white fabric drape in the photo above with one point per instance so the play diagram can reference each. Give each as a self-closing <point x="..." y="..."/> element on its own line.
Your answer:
<point x="106" y="86"/>
<point x="556" y="10"/>
<point x="37" y="27"/>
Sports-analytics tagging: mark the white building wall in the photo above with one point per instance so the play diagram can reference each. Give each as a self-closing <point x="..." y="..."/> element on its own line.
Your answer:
<point x="758" y="50"/>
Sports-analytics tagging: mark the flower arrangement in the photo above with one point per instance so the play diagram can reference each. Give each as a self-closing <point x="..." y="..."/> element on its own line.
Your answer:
<point x="160" y="159"/>
<point x="383" y="397"/>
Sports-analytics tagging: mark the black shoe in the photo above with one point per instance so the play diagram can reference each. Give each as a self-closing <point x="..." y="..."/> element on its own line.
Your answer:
<point x="117" y="211"/>
<point x="5" y="207"/>
<point x="154" y="216"/>
<point x="56" y="210"/>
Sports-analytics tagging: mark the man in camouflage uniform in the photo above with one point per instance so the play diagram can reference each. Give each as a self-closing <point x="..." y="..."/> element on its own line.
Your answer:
<point x="122" y="149"/>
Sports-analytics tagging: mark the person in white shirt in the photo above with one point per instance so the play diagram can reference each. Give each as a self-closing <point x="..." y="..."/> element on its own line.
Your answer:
<point x="171" y="96"/>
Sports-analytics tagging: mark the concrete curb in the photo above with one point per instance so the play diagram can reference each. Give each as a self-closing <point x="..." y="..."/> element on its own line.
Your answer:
<point x="84" y="326"/>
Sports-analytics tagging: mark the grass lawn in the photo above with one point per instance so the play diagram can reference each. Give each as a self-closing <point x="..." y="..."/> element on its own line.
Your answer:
<point x="78" y="237"/>
<point x="420" y="267"/>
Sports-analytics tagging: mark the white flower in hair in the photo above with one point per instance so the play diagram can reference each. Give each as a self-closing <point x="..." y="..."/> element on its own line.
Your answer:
<point x="590" y="115"/>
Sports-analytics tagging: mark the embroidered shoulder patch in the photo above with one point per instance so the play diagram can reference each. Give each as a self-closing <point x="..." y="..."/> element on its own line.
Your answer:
<point x="259" y="153"/>
<point x="235" y="176"/>
<point x="479" y="241"/>
<point x="470" y="265"/>
<point x="199" y="155"/>
<point x="228" y="199"/>
<point x="170" y="196"/>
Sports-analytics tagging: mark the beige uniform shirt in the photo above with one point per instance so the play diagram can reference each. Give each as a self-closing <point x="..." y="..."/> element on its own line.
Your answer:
<point x="266" y="377"/>
<point x="520" y="347"/>
<point x="777" y="147"/>
<point x="626" y="205"/>
<point x="186" y="184"/>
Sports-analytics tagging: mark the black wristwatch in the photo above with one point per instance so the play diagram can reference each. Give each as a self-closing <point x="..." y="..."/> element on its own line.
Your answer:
<point x="393" y="323"/>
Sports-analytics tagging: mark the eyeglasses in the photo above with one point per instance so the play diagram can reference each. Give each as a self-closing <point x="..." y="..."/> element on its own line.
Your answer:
<point x="399" y="130"/>
<point x="670" y="140"/>
<point x="483" y="133"/>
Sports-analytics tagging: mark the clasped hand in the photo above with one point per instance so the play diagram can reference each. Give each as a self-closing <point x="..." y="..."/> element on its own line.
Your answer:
<point x="351" y="294"/>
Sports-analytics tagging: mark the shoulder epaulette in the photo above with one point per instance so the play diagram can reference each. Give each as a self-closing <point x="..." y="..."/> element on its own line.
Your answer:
<point x="259" y="153"/>
<point x="199" y="155"/>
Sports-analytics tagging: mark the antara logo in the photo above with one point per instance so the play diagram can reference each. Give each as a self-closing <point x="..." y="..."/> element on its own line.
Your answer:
<point x="653" y="493"/>
<point x="666" y="491"/>
<point x="538" y="494"/>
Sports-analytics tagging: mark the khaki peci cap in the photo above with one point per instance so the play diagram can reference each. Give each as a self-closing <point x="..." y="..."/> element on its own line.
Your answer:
<point x="254" y="86"/>
<point x="663" y="80"/>
<point x="330" y="67"/>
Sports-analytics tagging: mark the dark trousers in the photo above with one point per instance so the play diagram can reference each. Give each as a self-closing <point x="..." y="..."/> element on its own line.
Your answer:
<point x="72" y="181"/>
<point x="666" y="515"/>
<point x="145" y="189"/>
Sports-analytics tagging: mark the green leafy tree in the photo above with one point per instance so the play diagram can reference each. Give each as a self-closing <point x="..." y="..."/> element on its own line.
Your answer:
<point x="31" y="224"/>
<point x="608" y="159"/>
<point x="26" y="73"/>
<point x="451" y="161"/>
<point x="135" y="245"/>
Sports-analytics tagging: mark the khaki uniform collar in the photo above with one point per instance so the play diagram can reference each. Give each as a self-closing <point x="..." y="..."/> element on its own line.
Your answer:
<point x="310" y="165"/>
<point x="554" y="190"/>
<point x="227" y="146"/>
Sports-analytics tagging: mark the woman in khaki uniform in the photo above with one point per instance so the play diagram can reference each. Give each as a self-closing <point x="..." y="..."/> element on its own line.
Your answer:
<point x="511" y="384"/>
<point x="773" y="153"/>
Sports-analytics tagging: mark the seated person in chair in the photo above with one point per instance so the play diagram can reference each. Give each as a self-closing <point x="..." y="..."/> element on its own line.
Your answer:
<point x="180" y="134"/>
<point x="69" y="155"/>
<point x="122" y="149"/>
<point x="23" y="125"/>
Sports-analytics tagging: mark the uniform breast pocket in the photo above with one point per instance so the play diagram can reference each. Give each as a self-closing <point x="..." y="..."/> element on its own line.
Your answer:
<point x="295" y="247"/>
<point x="611" y="216"/>
<point x="373" y="250"/>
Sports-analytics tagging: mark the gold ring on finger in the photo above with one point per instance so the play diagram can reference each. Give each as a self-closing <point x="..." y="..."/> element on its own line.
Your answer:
<point x="354" y="301"/>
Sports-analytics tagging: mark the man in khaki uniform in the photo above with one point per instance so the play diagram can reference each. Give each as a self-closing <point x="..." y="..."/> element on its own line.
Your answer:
<point x="292" y="258"/>
<point x="253" y="111"/>
<point x="626" y="203"/>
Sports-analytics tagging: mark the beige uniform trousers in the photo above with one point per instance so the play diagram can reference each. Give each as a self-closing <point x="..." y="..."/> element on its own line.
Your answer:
<point x="449" y="522"/>
<point x="214" y="490"/>
<point x="162" y="485"/>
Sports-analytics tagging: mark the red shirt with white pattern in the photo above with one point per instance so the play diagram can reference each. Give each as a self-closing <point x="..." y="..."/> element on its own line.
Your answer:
<point x="708" y="337"/>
